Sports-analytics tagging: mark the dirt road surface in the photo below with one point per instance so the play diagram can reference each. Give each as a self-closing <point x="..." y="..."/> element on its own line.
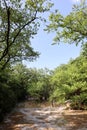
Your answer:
<point x="28" y="116"/>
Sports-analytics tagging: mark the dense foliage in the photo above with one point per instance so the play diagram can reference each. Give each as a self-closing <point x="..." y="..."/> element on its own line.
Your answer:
<point x="19" y="22"/>
<point x="21" y="83"/>
<point x="71" y="28"/>
<point x="68" y="82"/>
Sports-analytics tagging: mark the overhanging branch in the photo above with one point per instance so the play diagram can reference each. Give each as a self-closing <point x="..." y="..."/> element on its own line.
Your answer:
<point x="29" y="22"/>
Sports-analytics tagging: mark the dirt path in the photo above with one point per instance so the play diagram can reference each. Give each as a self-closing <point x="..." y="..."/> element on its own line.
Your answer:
<point x="28" y="116"/>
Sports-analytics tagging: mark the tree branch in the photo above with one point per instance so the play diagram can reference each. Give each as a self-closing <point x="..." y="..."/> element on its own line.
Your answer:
<point x="5" y="4"/>
<point x="8" y="28"/>
<point x="5" y="52"/>
<point x="23" y="28"/>
<point x="4" y="65"/>
<point x="9" y="44"/>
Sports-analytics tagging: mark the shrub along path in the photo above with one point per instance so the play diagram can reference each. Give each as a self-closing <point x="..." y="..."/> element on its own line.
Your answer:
<point x="30" y="116"/>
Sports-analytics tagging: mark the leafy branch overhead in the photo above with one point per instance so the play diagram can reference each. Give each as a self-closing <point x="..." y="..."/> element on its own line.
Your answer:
<point x="19" y="22"/>
<point x="71" y="28"/>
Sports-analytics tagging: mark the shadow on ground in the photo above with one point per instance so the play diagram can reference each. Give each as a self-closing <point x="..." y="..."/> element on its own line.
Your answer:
<point x="28" y="116"/>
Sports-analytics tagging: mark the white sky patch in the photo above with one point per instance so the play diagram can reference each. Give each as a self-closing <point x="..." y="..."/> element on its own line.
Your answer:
<point x="75" y="1"/>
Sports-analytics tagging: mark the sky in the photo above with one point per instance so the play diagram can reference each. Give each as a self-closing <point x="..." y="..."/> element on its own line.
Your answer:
<point x="52" y="56"/>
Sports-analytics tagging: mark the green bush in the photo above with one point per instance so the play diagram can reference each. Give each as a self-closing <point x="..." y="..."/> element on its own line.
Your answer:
<point x="79" y="102"/>
<point x="7" y="100"/>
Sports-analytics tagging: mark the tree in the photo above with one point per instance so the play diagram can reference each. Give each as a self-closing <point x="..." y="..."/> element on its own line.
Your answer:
<point x="60" y="83"/>
<point x="19" y="22"/>
<point x="84" y="50"/>
<point x="70" y="83"/>
<point x="39" y="83"/>
<point x="19" y="81"/>
<point x="71" y="28"/>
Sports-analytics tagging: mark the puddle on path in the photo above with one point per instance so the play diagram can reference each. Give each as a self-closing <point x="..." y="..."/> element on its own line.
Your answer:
<point x="29" y="116"/>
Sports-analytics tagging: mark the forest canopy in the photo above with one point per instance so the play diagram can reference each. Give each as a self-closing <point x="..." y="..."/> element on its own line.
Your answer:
<point x="71" y="28"/>
<point x="19" y="22"/>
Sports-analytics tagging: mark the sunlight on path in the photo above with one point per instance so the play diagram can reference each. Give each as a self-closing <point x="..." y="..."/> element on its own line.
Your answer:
<point x="31" y="117"/>
<point x="43" y="118"/>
